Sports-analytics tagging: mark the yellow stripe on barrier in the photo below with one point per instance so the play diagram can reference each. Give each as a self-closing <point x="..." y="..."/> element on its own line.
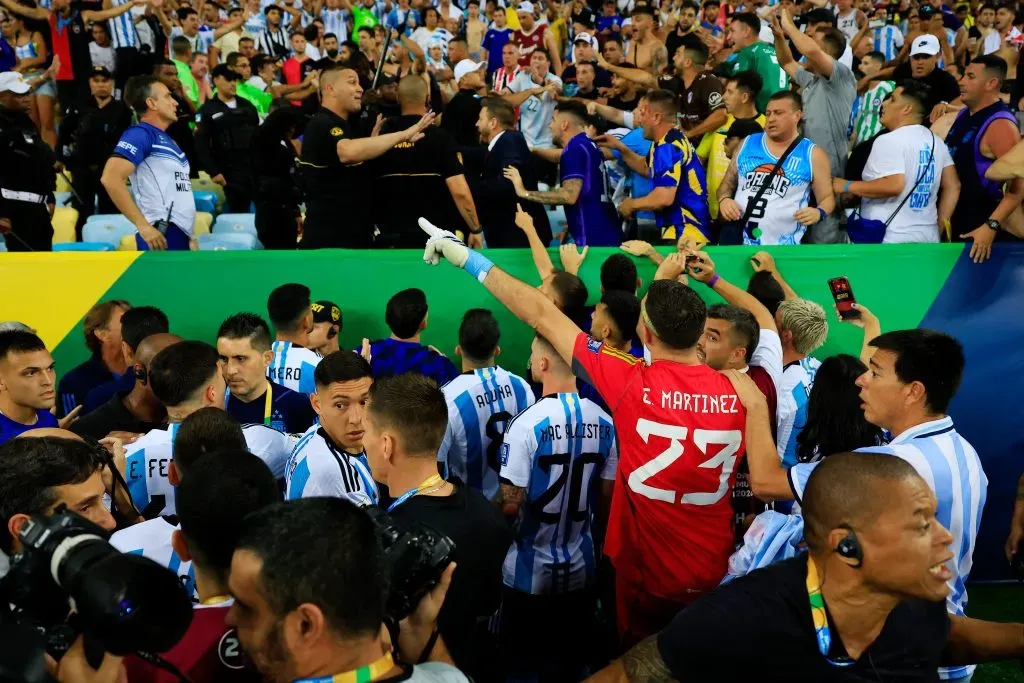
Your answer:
<point x="53" y="304"/>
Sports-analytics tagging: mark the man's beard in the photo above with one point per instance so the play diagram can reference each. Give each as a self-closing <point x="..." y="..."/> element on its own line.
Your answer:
<point x="332" y="54"/>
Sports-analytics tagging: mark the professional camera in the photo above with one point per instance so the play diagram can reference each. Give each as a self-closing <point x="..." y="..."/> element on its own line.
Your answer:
<point x="416" y="556"/>
<point x="68" y="580"/>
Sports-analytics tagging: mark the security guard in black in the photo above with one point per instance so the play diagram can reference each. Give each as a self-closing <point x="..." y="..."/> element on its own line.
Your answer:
<point x="226" y="124"/>
<point x="27" y="174"/>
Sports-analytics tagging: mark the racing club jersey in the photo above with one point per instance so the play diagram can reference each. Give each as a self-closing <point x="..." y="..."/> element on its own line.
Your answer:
<point x="680" y="430"/>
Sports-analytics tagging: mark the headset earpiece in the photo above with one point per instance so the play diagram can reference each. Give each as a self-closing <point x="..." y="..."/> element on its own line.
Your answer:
<point x="849" y="547"/>
<point x="332" y="332"/>
<point x="141" y="374"/>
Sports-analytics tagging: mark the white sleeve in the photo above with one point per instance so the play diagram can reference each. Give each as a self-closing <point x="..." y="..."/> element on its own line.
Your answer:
<point x="517" y="451"/>
<point x="768" y="355"/>
<point x="612" y="463"/>
<point x="897" y="37"/>
<point x="627" y="119"/>
<point x="324" y="477"/>
<point x="942" y="157"/>
<point x="798" y="475"/>
<point x="270" y="446"/>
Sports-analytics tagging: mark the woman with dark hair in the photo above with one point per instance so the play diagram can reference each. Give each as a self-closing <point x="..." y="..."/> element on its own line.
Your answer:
<point x="835" y="421"/>
<point x="277" y="194"/>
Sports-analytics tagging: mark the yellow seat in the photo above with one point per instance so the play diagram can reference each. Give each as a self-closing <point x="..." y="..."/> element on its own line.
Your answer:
<point x="204" y="184"/>
<point x="127" y="243"/>
<point x="64" y="220"/>
<point x="202" y="223"/>
<point x="62" y="183"/>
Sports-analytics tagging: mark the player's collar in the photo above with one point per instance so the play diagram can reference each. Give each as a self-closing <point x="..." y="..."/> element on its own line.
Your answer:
<point x="925" y="429"/>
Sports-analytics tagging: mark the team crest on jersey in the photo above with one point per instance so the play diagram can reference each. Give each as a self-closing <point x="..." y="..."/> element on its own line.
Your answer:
<point x="504" y="454"/>
<point x="229" y="651"/>
<point x="337" y="132"/>
<point x="778" y="185"/>
<point x="593" y="345"/>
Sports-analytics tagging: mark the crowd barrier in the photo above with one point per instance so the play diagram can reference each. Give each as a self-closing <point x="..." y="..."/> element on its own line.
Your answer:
<point x="933" y="286"/>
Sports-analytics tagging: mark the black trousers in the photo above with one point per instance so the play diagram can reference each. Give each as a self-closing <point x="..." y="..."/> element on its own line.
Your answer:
<point x="31" y="229"/>
<point x="87" y="184"/>
<point x="237" y="192"/>
<point x="546" y="637"/>
<point x="276" y="226"/>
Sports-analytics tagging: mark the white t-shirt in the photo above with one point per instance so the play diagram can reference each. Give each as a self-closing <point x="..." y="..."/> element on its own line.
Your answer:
<point x="907" y="150"/>
<point x="102" y="56"/>
<point x="536" y="112"/>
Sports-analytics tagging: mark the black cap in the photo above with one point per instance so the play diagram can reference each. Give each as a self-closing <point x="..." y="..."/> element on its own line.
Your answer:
<point x="820" y="15"/>
<point x="325" y="311"/>
<point x="100" y="72"/>
<point x="224" y="71"/>
<point x="741" y="128"/>
<point x="584" y="17"/>
<point x="926" y="11"/>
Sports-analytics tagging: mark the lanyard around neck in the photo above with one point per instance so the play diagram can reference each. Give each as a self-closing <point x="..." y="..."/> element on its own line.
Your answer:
<point x="268" y="402"/>
<point x="430" y="482"/>
<point x="363" y="674"/>
<point x="819" y="616"/>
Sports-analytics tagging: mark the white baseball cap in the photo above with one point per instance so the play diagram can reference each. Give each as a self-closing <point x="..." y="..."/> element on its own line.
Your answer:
<point x="467" y="66"/>
<point x="925" y="45"/>
<point x="584" y="38"/>
<point x="12" y="81"/>
<point x="525" y="6"/>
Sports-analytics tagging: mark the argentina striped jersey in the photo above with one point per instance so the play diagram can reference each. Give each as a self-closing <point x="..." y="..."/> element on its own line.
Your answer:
<point x="480" y="405"/>
<point x="293" y="366"/>
<point x="794" y="391"/>
<point x="334" y="22"/>
<point x="556" y="449"/>
<point x="888" y="40"/>
<point x="951" y="467"/>
<point x="122" y="27"/>
<point x="319" y="468"/>
<point x="152" y="539"/>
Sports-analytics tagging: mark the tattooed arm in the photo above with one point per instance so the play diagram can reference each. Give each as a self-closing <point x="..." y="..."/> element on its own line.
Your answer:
<point x="1017" y="522"/>
<point x="641" y="664"/>
<point x="728" y="209"/>
<point x="512" y="498"/>
<point x="568" y="193"/>
<point x="659" y="60"/>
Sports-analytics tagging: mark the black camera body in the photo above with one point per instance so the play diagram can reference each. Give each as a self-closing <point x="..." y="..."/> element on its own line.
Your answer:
<point x="416" y="556"/>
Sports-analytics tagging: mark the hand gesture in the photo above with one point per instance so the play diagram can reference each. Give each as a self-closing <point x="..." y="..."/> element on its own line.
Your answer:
<point x="68" y="419"/>
<point x="219" y="179"/>
<point x="153" y="237"/>
<point x="572" y="259"/>
<point x="5" y="226"/>
<point x="601" y="61"/>
<point x="763" y="261"/>
<point x="443" y="244"/>
<point x="982" y="237"/>
<point x="591" y="107"/>
<point x="672" y="267"/>
<point x="862" y="317"/>
<point x="377" y="126"/>
<point x="626" y="208"/>
<point x="364" y="351"/>
<point x="1016" y="536"/>
<point x="807" y="215"/>
<point x="609" y="141"/>
<point x="750" y="396"/>
<point x="475" y="240"/>
<point x="637" y="248"/>
<point x="512" y="174"/>
<point x="729" y="210"/>
<point x="523" y="219"/>
<point x="75" y="668"/>
<point x="702" y="268"/>
<point x="415" y="630"/>
<point x="415" y="132"/>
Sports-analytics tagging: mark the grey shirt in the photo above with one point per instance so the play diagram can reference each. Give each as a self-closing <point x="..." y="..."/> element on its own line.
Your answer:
<point x="828" y="103"/>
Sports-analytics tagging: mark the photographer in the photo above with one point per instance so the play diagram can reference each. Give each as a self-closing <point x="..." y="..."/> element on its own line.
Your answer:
<point x="310" y="583"/>
<point x="212" y="502"/>
<point x="406" y="418"/>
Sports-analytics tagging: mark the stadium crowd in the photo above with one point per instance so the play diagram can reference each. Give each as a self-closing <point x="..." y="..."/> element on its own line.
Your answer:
<point x="615" y="121"/>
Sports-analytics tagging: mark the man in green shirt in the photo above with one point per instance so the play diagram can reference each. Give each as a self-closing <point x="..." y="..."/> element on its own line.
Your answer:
<point x="181" y="55"/>
<point x="751" y="54"/>
<point x="362" y="15"/>
<point x="261" y="99"/>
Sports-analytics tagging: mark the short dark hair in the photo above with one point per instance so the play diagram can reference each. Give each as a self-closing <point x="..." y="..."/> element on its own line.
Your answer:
<point x="695" y="51"/>
<point x="994" y="66"/>
<point x="918" y="93"/>
<point x="160" y="62"/>
<point x="842" y="490"/>
<point x="664" y="101"/>
<point x="429" y="9"/>
<point x="794" y="99"/>
<point x="212" y="502"/>
<point x="932" y="358"/>
<point x="577" y="110"/>
<point x="501" y="110"/>
<point x="233" y="58"/>
<point x="542" y="51"/>
<point x="140" y="322"/>
<point x="479" y="334"/>
<point x="138" y="89"/>
<point x="766" y="289"/>
<point x="323" y="551"/>
<point x="182" y="369"/>
<point x="259" y="61"/>
<point x="414" y="406"/>
<point x="30" y="470"/>
<point x="246" y="326"/>
<point x="619" y="272"/>
<point x="287" y="305"/>
<point x="833" y="40"/>
<point x="712" y="3"/>
<point x="570" y="291"/>
<point x="18" y="341"/>
<point x="875" y="55"/>
<point x="689" y="4"/>
<point x="207" y="430"/>
<point x="341" y="366"/>
<point x="311" y="32"/>
<point x="184" y="12"/>
<point x="749" y="81"/>
<point x="750" y="19"/>
<point x="332" y="35"/>
<point x="676" y="313"/>
<point x="405" y="312"/>
<point x="624" y="310"/>
<point x="744" y="329"/>
<point x="365" y="29"/>
<point x="98" y="318"/>
<point x="180" y="46"/>
<point x="246" y="39"/>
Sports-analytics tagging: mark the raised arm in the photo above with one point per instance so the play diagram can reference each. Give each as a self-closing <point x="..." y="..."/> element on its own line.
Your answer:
<point x="635" y="162"/>
<point x="641" y="76"/>
<point x="357" y="150"/>
<point x="611" y="114"/>
<point x="703" y="270"/>
<point x="568" y="193"/>
<point x="807" y="46"/>
<point x="229" y="27"/>
<point x="551" y="45"/>
<point x="517" y="98"/>
<point x="114" y="11"/>
<point x="38" y="13"/>
<point x="763" y="261"/>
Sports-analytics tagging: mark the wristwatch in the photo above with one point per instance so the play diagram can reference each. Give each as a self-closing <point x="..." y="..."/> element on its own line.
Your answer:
<point x="994" y="224"/>
<point x="481" y="231"/>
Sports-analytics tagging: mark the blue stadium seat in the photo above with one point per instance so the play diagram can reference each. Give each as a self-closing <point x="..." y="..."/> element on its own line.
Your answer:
<point x="3" y="244"/>
<point x="83" y="246"/>
<point x="107" y="228"/>
<point x="205" y="201"/>
<point x="62" y="198"/>
<point x="227" y="242"/>
<point x="235" y="223"/>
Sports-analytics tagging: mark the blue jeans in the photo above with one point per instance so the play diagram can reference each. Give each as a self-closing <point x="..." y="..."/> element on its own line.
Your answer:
<point x="177" y="240"/>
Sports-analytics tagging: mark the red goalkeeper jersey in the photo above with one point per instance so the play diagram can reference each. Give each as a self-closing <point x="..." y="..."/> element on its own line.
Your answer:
<point x="680" y="430"/>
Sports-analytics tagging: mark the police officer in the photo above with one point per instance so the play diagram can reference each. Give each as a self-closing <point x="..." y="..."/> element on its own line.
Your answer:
<point x="27" y="175"/>
<point x="92" y="133"/>
<point x="226" y="126"/>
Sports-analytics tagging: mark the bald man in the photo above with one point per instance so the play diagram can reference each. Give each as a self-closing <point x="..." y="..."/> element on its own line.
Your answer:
<point x="338" y="202"/>
<point x="871" y="530"/>
<point x="128" y="415"/>
<point x="425" y="173"/>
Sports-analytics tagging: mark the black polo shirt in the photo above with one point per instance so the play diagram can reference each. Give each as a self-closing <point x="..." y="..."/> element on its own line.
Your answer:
<point x="337" y="205"/>
<point x="460" y="117"/>
<point x="759" y="628"/>
<point x="112" y="416"/>
<point x="290" y="411"/>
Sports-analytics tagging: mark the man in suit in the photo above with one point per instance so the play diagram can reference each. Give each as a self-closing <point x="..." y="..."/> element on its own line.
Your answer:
<point x="494" y="194"/>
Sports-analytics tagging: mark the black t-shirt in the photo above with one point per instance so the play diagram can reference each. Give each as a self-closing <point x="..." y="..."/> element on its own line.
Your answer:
<point x="112" y="416"/>
<point x="411" y="177"/>
<point x="337" y="205"/>
<point x="290" y="411"/>
<point x="602" y="79"/>
<point x="698" y="101"/>
<point x="759" y="628"/>
<point x="944" y="87"/>
<point x="460" y="117"/>
<point x="482" y="539"/>
<point x="623" y="105"/>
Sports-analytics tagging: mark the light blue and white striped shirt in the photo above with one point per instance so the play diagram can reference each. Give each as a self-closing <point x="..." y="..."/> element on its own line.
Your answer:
<point x="319" y="468"/>
<point x="953" y="470"/>
<point x="334" y="22"/>
<point x="152" y="539"/>
<point x="794" y="391"/>
<point x="480" y="405"/>
<point x="293" y="366"/>
<point x="122" y="27"/>
<point x="888" y="40"/>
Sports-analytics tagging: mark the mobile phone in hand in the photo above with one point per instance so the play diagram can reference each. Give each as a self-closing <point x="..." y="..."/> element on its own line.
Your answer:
<point x="842" y="294"/>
